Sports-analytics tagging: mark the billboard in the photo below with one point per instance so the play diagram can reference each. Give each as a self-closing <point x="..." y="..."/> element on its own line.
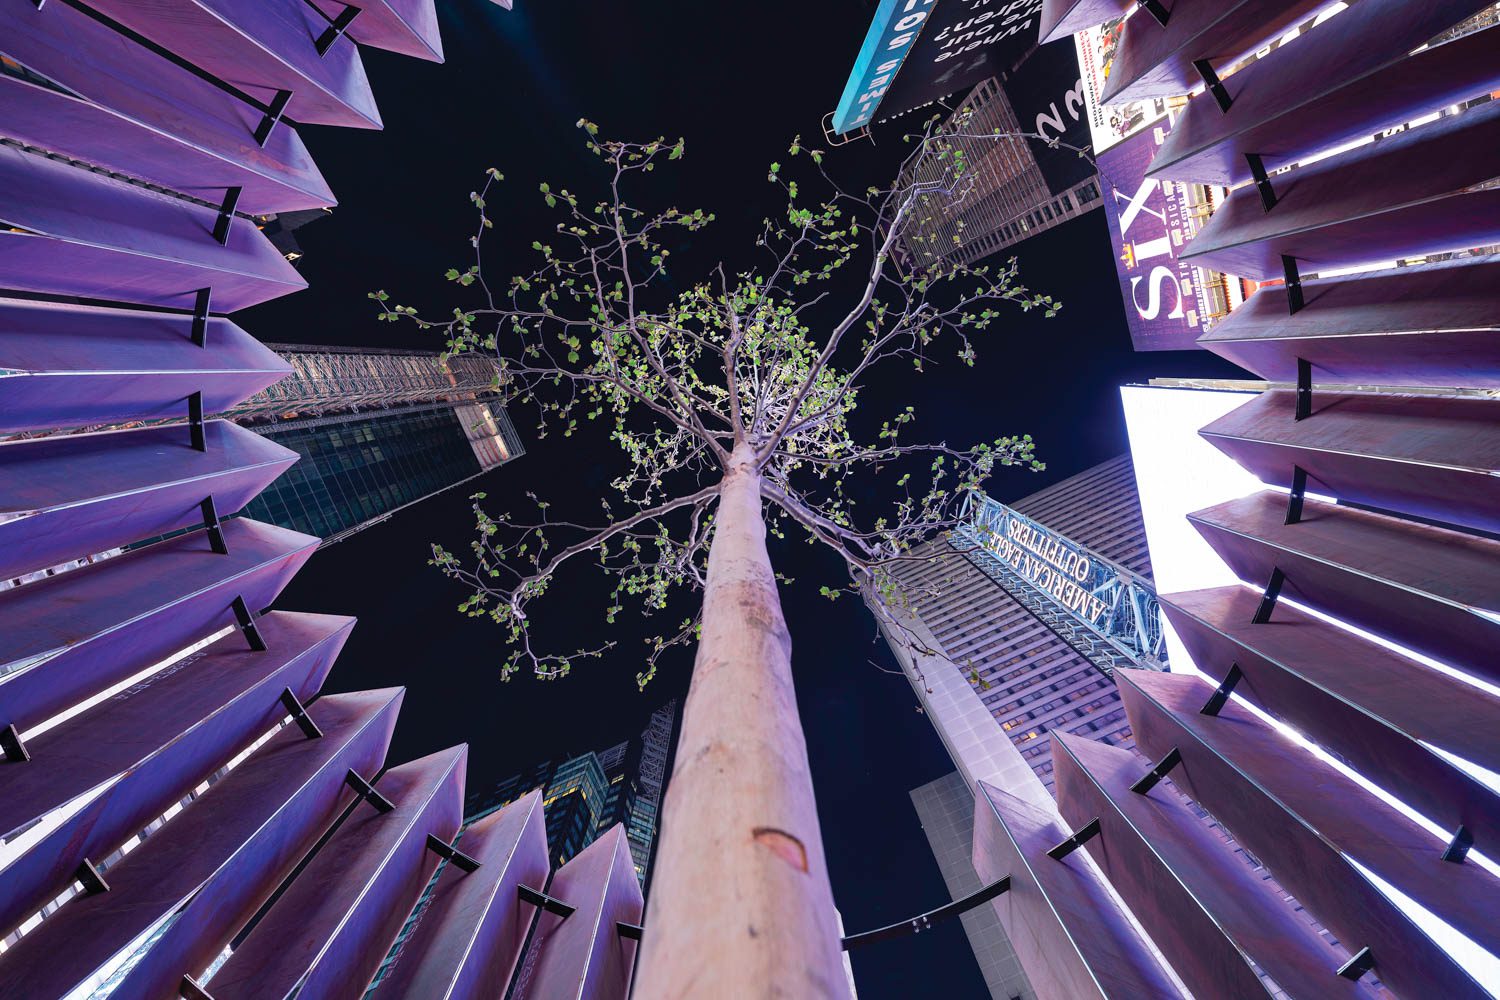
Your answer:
<point x="918" y="51"/>
<point x="1168" y="302"/>
<point x="1047" y="95"/>
<point x="1095" y="49"/>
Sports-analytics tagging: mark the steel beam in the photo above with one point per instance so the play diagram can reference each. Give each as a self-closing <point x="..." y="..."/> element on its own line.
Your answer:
<point x="134" y="112"/>
<point x="1430" y="589"/>
<point x="326" y="935"/>
<point x="1069" y="933"/>
<point x="583" y="955"/>
<point x="74" y="232"/>
<point x="1370" y="707"/>
<point x="1205" y="908"/>
<point x="1433" y="324"/>
<point x="469" y="940"/>
<point x="1403" y="196"/>
<point x="1155" y="60"/>
<point x="262" y="48"/>
<point x="1062" y="19"/>
<point x="67" y="637"/>
<point x="1304" y="820"/>
<point x="208" y="870"/>
<point x="1291" y="104"/>
<point x="68" y="497"/>
<point x="409" y="27"/>
<point x="128" y="759"/>
<point x="67" y="366"/>
<point x="1429" y="456"/>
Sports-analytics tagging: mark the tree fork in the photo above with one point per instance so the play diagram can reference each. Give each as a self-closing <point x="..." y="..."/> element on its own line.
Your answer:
<point x="741" y="904"/>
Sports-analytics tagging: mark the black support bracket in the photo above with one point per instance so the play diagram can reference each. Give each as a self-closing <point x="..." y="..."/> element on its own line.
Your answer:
<point x="632" y="931"/>
<point x="274" y="113"/>
<point x="1217" y="700"/>
<point x="200" y="316"/>
<point x="214" y="526"/>
<point x="1086" y="833"/>
<point x="1268" y="597"/>
<point x="452" y="854"/>
<point x="543" y="901"/>
<point x="1304" y="390"/>
<point x="1297" y="496"/>
<point x="245" y="618"/>
<point x="1153" y="7"/>
<point x="1293" y="278"/>
<point x="226" y="215"/>
<point x="298" y="712"/>
<point x="367" y="792"/>
<point x="918" y="924"/>
<point x="93" y="882"/>
<point x="1458" y="848"/>
<point x="15" y="749"/>
<point x="195" y="422"/>
<point x="193" y="990"/>
<point x="335" y="30"/>
<point x="1262" y="180"/>
<point x="1215" y="86"/>
<point x="1163" y="767"/>
<point x="1357" y="966"/>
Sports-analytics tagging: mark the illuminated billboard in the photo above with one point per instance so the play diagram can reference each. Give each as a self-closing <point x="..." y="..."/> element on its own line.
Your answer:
<point x="1046" y="93"/>
<point x="1110" y="125"/>
<point x="918" y="51"/>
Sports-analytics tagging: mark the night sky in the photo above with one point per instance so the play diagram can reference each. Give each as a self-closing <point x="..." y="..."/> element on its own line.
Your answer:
<point x="738" y="81"/>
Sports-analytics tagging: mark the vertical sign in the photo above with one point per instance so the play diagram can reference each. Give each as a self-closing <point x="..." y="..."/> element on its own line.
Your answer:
<point x="891" y="36"/>
<point x="1110" y="125"/>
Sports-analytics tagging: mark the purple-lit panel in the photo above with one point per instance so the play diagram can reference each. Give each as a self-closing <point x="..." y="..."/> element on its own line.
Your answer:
<point x="409" y="27"/>
<point x="1292" y="104"/>
<point x="1428" y="456"/>
<point x="469" y="939"/>
<point x="1400" y="197"/>
<point x="68" y="366"/>
<point x="144" y="116"/>
<point x="67" y="497"/>
<point x="261" y="47"/>
<point x="1430" y="589"/>
<point x="1296" y="815"/>
<point x="1069" y="934"/>
<point x="159" y="738"/>
<point x="327" y="934"/>
<point x="86" y="234"/>
<point x="1433" y="324"/>
<point x="69" y="636"/>
<point x="1370" y="707"/>
<point x="584" y="957"/>
<point x="1156" y="61"/>
<point x="215" y="864"/>
<point x="1061" y="19"/>
<point x="1205" y="909"/>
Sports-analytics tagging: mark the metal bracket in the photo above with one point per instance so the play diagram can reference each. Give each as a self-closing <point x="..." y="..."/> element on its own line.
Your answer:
<point x="1304" y="390"/>
<point x="335" y="30"/>
<point x="1357" y="966"/>
<point x="200" y="316"/>
<point x="93" y="882"/>
<point x="1293" y="284"/>
<point x="1161" y="770"/>
<point x="1262" y="179"/>
<point x="367" y="792"/>
<point x="193" y="990"/>
<point x="1268" y="597"/>
<point x="1217" y="700"/>
<point x="543" y="901"/>
<point x="274" y="112"/>
<point x="918" y="924"/>
<point x="226" y="215"/>
<point x="214" y="526"/>
<point x="1297" y="495"/>
<point x="452" y="854"/>
<point x="1156" y="10"/>
<point x="633" y="931"/>
<point x="1216" y="87"/>
<point x="1086" y="833"/>
<point x="195" y="421"/>
<point x="1458" y="847"/>
<point x="298" y="712"/>
<point x="246" y="619"/>
<point x="10" y="742"/>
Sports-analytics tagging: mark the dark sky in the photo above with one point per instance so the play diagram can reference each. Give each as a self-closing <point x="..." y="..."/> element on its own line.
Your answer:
<point x="738" y="81"/>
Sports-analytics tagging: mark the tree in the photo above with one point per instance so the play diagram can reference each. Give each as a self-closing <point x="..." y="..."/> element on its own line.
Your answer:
<point x="733" y="403"/>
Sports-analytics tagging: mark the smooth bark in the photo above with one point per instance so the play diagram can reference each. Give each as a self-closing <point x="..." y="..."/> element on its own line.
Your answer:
<point x="740" y="901"/>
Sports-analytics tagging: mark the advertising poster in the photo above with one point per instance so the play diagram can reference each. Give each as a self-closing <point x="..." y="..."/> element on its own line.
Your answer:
<point x="1046" y="92"/>
<point x="1110" y="125"/>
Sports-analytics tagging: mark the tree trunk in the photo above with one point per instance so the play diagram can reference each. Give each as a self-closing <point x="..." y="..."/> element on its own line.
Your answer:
<point x="740" y="900"/>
